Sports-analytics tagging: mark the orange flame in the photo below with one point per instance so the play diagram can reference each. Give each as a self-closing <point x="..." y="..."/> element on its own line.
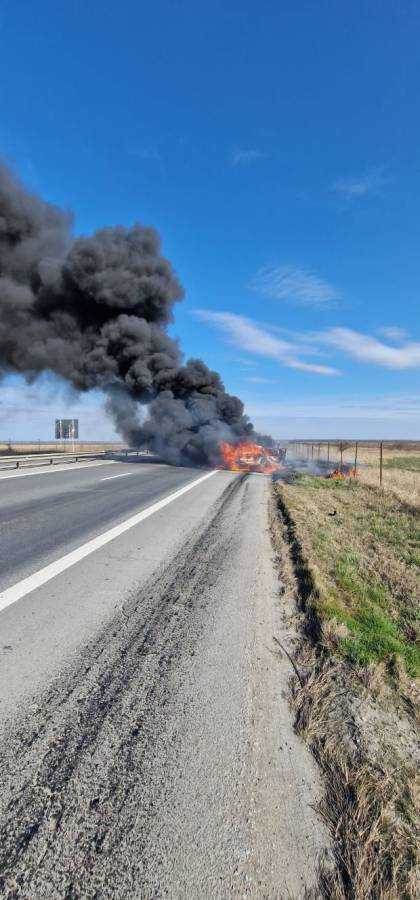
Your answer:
<point x="339" y="475"/>
<point x="247" y="457"/>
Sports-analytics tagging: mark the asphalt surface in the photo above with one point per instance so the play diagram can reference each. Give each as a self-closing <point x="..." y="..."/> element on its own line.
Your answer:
<point x="46" y="515"/>
<point x="146" y="743"/>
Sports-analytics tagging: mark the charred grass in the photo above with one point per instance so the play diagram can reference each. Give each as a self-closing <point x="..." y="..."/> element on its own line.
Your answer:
<point x="351" y="555"/>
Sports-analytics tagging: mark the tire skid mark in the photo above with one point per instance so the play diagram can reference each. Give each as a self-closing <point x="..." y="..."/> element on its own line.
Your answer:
<point x="111" y="711"/>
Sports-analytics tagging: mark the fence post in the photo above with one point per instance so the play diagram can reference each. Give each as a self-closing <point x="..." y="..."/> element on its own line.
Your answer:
<point x="380" y="462"/>
<point x="355" y="459"/>
<point x="341" y="456"/>
<point x="328" y="452"/>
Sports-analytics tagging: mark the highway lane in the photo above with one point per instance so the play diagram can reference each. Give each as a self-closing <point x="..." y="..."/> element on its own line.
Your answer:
<point x="41" y="633"/>
<point x="146" y="743"/>
<point x="42" y="517"/>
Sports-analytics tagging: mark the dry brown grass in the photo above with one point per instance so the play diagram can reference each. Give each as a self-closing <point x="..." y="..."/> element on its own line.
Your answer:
<point x="24" y="448"/>
<point x="368" y="806"/>
<point x="403" y="482"/>
<point x="358" y="717"/>
<point x="401" y="464"/>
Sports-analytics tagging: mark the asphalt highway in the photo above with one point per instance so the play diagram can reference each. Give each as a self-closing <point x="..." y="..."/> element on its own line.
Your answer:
<point x="146" y="743"/>
<point x="44" y="515"/>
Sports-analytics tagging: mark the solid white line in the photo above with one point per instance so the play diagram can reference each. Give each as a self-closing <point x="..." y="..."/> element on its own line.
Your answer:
<point x="123" y="475"/>
<point x="19" y="590"/>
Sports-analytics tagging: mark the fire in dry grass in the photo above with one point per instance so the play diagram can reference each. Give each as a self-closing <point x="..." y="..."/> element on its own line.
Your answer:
<point x="248" y="457"/>
<point x="341" y="475"/>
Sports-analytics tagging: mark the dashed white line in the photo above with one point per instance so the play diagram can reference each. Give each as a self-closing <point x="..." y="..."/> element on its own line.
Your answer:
<point x="123" y="475"/>
<point x="27" y="585"/>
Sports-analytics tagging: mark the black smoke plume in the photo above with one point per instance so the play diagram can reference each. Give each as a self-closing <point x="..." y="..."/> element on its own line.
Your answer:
<point x="94" y="310"/>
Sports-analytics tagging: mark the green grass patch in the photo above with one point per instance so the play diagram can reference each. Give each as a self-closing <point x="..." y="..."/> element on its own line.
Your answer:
<point x="320" y="483"/>
<point x="400" y="532"/>
<point x="362" y="602"/>
<point x="408" y="463"/>
<point x="367" y="555"/>
<point x="359" y="587"/>
<point x="375" y="637"/>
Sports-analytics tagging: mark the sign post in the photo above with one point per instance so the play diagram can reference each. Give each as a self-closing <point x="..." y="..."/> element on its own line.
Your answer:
<point x="67" y="430"/>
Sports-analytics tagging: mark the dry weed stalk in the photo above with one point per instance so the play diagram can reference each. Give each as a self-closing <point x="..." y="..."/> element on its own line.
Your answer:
<point x="374" y="844"/>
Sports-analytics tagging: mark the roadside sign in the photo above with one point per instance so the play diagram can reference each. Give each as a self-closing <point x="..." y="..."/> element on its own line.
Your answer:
<point x="66" y="429"/>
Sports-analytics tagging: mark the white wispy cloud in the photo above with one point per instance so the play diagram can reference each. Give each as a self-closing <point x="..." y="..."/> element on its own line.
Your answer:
<point x="293" y="284"/>
<point x="259" y="379"/>
<point x="145" y="151"/>
<point x="150" y="153"/>
<point x="393" y="333"/>
<point x="244" y="157"/>
<point x="345" y="417"/>
<point x="388" y="407"/>
<point x="292" y="349"/>
<point x="249" y="336"/>
<point x="366" y="348"/>
<point x="243" y="360"/>
<point x="353" y="188"/>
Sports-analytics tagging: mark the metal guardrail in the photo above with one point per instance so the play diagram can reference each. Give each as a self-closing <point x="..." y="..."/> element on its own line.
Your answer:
<point x="34" y="458"/>
<point x="137" y="452"/>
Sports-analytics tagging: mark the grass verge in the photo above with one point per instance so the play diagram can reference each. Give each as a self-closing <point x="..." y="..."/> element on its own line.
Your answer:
<point x="353" y="556"/>
<point x="410" y="463"/>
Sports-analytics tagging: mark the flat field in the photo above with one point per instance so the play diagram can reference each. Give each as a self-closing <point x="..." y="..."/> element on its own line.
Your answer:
<point x="401" y="463"/>
<point x="22" y="448"/>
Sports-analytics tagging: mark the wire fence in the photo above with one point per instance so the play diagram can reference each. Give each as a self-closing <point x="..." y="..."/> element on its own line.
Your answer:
<point x="391" y="465"/>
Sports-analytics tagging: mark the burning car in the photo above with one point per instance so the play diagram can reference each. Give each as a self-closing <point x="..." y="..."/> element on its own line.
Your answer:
<point x="248" y="457"/>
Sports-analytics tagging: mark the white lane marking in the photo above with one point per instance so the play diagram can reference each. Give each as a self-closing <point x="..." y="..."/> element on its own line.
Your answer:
<point x="19" y="590"/>
<point x="123" y="475"/>
<point x="54" y="469"/>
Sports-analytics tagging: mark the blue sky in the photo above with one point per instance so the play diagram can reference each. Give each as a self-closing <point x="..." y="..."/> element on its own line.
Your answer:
<point x="275" y="147"/>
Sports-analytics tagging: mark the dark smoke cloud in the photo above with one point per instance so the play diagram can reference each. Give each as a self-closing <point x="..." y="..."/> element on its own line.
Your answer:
<point x="94" y="311"/>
